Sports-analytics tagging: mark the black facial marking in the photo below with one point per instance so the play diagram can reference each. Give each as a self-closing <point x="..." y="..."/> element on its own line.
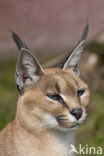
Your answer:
<point x="57" y="87"/>
<point x="80" y="93"/>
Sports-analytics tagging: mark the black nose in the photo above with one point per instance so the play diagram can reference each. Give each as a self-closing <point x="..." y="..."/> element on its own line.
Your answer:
<point x="77" y="113"/>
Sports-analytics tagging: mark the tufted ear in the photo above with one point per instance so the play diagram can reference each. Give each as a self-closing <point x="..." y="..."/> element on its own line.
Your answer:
<point x="28" y="69"/>
<point x="72" y="60"/>
<point x="20" y="44"/>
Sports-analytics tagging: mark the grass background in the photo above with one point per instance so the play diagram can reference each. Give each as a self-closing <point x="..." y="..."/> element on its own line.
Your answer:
<point x="91" y="133"/>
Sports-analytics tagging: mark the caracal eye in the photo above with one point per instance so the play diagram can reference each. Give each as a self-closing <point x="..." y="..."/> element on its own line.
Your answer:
<point x="55" y="97"/>
<point x="80" y="93"/>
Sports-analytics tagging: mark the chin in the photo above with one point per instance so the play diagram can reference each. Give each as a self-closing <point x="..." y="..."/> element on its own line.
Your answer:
<point x="67" y="129"/>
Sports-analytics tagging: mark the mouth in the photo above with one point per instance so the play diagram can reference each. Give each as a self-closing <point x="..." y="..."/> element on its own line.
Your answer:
<point x="69" y="128"/>
<point x="75" y="126"/>
<point x="65" y="123"/>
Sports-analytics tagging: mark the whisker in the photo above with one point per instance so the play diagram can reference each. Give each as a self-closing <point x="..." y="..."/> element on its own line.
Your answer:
<point x="62" y="119"/>
<point x="62" y="115"/>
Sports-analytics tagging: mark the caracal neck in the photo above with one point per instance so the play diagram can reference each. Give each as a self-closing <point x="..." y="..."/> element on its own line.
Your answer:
<point x="46" y="143"/>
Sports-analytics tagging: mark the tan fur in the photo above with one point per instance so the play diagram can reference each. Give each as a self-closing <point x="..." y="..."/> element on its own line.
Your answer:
<point x="29" y="134"/>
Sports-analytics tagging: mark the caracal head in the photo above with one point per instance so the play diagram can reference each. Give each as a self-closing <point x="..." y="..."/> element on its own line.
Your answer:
<point x="53" y="98"/>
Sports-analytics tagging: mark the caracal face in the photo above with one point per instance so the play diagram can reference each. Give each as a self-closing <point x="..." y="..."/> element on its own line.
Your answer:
<point x="53" y="98"/>
<point x="57" y="101"/>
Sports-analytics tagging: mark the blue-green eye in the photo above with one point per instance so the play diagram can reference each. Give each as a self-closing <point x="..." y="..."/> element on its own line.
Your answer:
<point x="80" y="92"/>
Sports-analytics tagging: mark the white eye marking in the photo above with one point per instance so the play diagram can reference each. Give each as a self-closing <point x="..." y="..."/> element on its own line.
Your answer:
<point x="50" y="99"/>
<point x="49" y="120"/>
<point x="84" y="94"/>
<point x="63" y="97"/>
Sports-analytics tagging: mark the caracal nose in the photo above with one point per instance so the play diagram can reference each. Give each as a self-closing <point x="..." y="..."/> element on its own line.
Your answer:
<point x="77" y="113"/>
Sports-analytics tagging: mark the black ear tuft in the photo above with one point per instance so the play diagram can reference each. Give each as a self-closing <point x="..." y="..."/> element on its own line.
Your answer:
<point x="20" y="44"/>
<point x="85" y="32"/>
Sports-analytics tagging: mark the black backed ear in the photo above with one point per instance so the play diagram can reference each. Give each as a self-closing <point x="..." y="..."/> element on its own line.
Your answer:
<point x="72" y="61"/>
<point x="28" y="70"/>
<point x="20" y="44"/>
